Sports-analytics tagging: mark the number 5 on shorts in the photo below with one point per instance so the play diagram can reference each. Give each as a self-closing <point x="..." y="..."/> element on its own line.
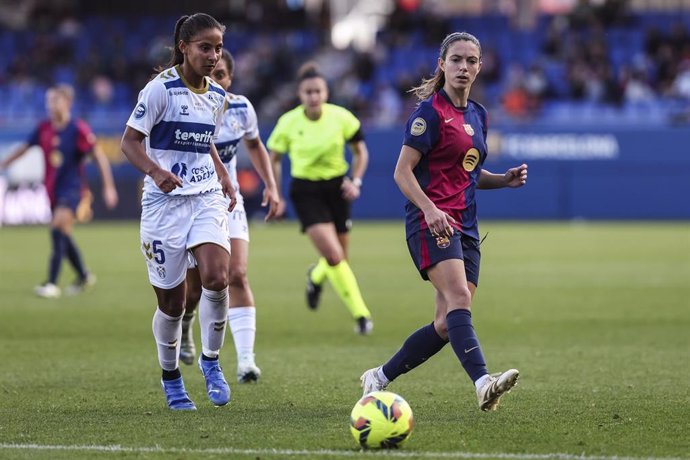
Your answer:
<point x="154" y="251"/>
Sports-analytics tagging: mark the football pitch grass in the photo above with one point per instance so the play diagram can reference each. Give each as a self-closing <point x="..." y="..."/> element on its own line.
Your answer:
<point x="595" y="315"/>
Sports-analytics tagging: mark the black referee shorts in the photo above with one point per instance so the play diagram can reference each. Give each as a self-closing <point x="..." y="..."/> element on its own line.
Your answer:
<point x="318" y="202"/>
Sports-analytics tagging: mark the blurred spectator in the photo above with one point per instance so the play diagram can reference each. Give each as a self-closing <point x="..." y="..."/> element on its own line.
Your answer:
<point x="592" y="54"/>
<point x="636" y="88"/>
<point x="681" y="84"/>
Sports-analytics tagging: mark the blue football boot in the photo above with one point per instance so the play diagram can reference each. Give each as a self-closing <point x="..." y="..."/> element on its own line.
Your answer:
<point x="216" y="385"/>
<point x="176" y="395"/>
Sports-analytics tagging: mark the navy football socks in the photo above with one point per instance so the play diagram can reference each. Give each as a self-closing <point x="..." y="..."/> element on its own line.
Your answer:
<point x="419" y="346"/>
<point x="58" y="240"/>
<point x="74" y="256"/>
<point x="465" y="343"/>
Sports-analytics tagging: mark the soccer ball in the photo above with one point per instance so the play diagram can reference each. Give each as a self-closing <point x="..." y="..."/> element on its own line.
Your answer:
<point x="381" y="419"/>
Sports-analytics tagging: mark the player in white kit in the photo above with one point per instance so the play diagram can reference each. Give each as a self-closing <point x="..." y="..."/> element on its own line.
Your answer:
<point x="184" y="208"/>
<point x="239" y="123"/>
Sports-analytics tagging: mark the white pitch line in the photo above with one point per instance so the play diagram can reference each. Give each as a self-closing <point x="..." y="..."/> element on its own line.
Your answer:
<point x="323" y="452"/>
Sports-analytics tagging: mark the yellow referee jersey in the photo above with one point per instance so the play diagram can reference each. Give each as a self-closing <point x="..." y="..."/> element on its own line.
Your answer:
<point x="316" y="147"/>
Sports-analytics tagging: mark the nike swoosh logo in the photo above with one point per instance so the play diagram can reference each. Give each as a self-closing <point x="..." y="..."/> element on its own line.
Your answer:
<point x="473" y="348"/>
<point x="448" y="120"/>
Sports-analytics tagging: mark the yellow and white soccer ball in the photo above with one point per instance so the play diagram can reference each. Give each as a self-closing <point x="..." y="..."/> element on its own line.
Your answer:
<point x="381" y="419"/>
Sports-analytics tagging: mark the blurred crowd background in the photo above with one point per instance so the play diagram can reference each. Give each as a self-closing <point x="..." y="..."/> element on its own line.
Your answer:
<point x="545" y="61"/>
<point x="594" y="94"/>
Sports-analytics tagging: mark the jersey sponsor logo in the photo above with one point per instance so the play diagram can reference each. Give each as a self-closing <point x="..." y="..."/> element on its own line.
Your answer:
<point x="227" y="150"/>
<point x="182" y="136"/>
<point x="55" y="158"/>
<point x="205" y="137"/>
<point x="471" y="160"/>
<point x="184" y="110"/>
<point x="179" y="169"/>
<point x="418" y="126"/>
<point x="181" y="92"/>
<point x="468" y="129"/>
<point x="448" y="120"/>
<point x="140" y="111"/>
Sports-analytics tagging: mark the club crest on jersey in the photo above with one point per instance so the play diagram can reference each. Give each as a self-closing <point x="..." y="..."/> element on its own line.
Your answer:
<point x="471" y="160"/>
<point x="418" y="126"/>
<point x="442" y="242"/>
<point x="161" y="271"/>
<point x="468" y="129"/>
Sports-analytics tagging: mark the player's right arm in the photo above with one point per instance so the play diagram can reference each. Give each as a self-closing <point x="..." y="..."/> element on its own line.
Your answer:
<point x="437" y="220"/>
<point x="150" y="107"/>
<point x="134" y="150"/>
<point x="421" y="136"/>
<point x="11" y="158"/>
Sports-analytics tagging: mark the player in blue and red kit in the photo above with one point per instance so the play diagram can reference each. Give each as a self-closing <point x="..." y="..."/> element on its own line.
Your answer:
<point x="439" y="169"/>
<point x="66" y="143"/>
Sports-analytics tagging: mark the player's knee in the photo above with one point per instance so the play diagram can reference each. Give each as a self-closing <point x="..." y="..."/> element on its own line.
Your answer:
<point x="216" y="282"/>
<point x="458" y="297"/>
<point x="172" y="306"/>
<point x="333" y="258"/>
<point x="238" y="278"/>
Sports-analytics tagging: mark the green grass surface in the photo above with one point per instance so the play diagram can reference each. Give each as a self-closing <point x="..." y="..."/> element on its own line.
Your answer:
<point x="596" y="317"/>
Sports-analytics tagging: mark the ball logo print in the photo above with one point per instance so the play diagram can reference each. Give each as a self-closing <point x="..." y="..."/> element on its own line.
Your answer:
<point x="381" y="420"/>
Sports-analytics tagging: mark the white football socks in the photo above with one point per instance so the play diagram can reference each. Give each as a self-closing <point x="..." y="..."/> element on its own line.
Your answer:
<point x="243" y="327"/>
<point x="481" y="381"/>
<point x="167" y="331"/>
<point x="381" y="376"/>
<point x="213" y="311"/>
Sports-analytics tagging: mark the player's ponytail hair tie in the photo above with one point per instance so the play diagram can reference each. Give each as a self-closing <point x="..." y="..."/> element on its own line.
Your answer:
<point x="431" y="85"/>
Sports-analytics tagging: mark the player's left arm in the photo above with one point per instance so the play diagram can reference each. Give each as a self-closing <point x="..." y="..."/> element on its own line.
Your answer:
<point x="109" y="191"/>
<point x="223" y="177"/>
<point x="360" y="161"/>
<point x="261" y="161"/>
<point x="513" y="178"/>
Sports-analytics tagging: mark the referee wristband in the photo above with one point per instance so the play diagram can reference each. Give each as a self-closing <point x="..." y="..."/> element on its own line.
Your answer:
<point x="357" y="182"/>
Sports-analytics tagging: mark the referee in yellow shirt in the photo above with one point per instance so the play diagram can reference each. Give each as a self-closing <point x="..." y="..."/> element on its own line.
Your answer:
<point x="313" y="135"/>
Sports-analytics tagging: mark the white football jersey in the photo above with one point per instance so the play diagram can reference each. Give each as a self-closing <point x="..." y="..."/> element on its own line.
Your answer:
<point x="239" y="122"/>
<point x="180" y="123"/>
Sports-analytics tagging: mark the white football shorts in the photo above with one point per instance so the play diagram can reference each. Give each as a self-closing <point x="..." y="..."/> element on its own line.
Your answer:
<point x="237" y="221"/>
<point x="174" y="224"/>
<point x="238" y="228"/>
